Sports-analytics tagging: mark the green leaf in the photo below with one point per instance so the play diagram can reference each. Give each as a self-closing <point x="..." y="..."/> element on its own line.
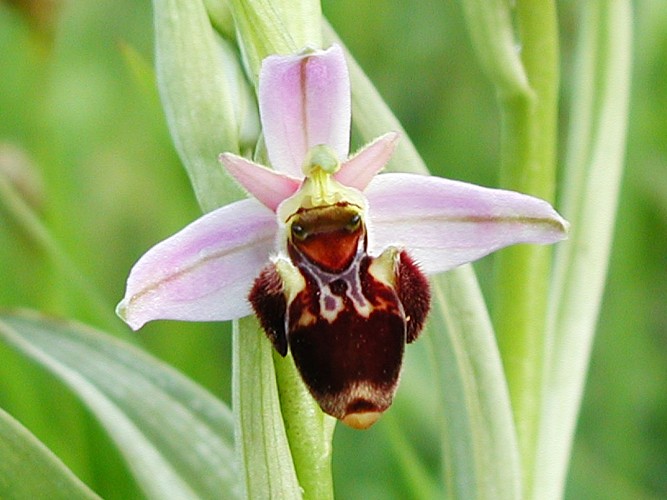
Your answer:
<point x="594" y="167"/>
<point x="204" y="94"/>
<point x="176" y="438"/>
<point x="28" y="469"/>
<point x="20" y="211"/>
<point x="480" y="448"/>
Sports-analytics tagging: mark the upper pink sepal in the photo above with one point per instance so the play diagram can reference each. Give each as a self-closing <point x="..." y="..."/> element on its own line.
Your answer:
<point x="444" y="223"/>
<point x="205" y="271"/>
<point x="359" y="170"/>
<point x="304" y="101"/>
<point x="268" y="186"/>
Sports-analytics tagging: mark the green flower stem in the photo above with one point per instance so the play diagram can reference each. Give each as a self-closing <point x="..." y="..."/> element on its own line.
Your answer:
<point x="206" y="101"/>
<point x="593" y="171"/>
<point x="523" y="272"/>
<point x="267" y="466"/>
<point x="309" y="431"/>
<point x="490" y="26"/>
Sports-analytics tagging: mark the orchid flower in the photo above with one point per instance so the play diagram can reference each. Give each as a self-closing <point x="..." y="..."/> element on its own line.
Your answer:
<point x="330" y="256"/>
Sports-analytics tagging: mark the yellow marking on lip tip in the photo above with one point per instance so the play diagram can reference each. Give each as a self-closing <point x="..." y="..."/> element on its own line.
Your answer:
<point x="361" y="420"/>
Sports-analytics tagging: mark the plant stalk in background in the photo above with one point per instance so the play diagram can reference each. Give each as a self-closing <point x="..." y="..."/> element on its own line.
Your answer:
<point x="545" y="363"/>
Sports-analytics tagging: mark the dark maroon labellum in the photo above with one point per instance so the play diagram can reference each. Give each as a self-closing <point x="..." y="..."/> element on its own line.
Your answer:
<point x="348" y="322"/>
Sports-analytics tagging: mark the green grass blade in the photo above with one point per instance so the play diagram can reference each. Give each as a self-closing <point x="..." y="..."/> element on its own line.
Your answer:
<point x="28" y="469"/>
<point x="594" y="167"/>
<point x="480" y="449"/>
<point x="176" y="438"/>
<point x="196" y="76"/>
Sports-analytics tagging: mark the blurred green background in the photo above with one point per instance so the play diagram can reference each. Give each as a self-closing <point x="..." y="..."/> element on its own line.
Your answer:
<point x="84" y="140"/>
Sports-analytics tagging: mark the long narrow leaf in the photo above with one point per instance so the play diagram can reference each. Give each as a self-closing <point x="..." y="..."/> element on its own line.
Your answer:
<point x="176" y="438"/>
<point x="594" y="167"/>
<point x="28" y="469"/>
<point x="480" y="446"/>
<point x="199" y="85"/>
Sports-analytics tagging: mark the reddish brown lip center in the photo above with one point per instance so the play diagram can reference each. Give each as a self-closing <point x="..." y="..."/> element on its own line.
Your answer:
<point x="328" y="236"/>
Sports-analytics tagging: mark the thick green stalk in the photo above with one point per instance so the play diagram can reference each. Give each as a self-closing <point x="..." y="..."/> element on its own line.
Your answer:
<point x="309" y="431"/>
<point x="206" y="102"/>
<point x="493" y="39"/>
<point x="267" y="467"/>
<point x="528" y="165"/>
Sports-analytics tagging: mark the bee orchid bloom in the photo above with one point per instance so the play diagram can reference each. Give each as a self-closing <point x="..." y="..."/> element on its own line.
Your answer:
<point x="331" y="257"/>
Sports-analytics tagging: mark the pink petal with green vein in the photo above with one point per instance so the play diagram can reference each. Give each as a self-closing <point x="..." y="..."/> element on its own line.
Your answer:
<point x="268" y="186"/>
<point x="304" y="100"/>
<point x="205" y="271"/>
<point x="444" y="223"/>
<point x="359" y="170"/>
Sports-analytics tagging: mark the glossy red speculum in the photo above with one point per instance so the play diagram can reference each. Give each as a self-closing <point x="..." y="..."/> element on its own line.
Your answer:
<point x="327" y="236"/>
